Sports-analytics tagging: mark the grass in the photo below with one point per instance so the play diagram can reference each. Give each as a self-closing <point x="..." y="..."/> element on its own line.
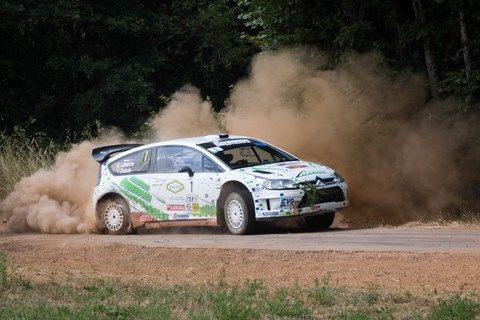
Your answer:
<point x="86" y="298"/>
<point x="455" y="308"/>
<point x="21" y="157"/>
<point x="3" y="271"/>
<point x="459" y="216"/>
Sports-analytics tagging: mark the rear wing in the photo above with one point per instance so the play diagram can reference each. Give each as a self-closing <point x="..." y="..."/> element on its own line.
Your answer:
<point x="102" y="154"/>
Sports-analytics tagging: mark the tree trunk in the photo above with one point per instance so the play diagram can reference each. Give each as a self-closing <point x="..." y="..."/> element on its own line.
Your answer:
<point x="428" y="52"/>
<point x="465" y="45"/>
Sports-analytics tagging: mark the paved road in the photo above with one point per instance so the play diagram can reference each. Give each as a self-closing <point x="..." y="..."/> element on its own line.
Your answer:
<point x="378" y="239"/>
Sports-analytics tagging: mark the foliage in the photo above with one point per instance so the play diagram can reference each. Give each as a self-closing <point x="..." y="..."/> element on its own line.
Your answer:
<point x="21" y="156"/>
<point x="456" y="308"/>
<point x="389" y="27"/>
<point x="66" y="65"/>
<point x="69" y="67"/>
<point x="3" y="271"/>
<point x="83" y="297"/>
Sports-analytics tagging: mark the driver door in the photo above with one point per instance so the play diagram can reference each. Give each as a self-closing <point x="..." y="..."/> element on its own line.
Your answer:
<point x="185" y="183"/>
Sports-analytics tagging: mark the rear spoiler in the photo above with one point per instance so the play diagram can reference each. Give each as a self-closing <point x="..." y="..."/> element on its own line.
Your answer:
<point x="102" y="154"/>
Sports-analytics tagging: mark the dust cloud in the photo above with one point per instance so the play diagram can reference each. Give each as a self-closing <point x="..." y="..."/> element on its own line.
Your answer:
<point x="58" y="199"/>
<point x="397" y="154"/>
<point x="55" y="200"/>
<point x="186" y="115"/>
<point x="399" y="158"/>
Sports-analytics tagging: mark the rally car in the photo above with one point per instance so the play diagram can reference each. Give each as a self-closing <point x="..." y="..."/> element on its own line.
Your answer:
<point x="215" y="180"/>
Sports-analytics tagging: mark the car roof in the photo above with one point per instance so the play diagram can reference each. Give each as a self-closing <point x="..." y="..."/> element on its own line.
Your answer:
<point x="200" y="139"/>
<point x="191" y="141"/>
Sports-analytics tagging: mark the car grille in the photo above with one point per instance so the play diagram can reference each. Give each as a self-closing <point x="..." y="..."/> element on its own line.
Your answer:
<point x="334" y="194"/>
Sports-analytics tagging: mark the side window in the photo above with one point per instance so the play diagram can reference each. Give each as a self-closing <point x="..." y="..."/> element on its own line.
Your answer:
<point x="173" y="158"/>
<point x="264" y="155"/>
<point x="165" y="162"/>
<point x="209" y="165"/>
<point x="136" y="162"/>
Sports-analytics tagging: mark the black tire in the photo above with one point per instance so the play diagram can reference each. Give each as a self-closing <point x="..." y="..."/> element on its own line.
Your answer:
<point x="239" y="214"/>
<point x="320" y="221"/>
<point x="113" y="216"/>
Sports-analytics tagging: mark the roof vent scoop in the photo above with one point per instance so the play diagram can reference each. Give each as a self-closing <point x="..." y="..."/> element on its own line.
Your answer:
<point x="223" y="135"/>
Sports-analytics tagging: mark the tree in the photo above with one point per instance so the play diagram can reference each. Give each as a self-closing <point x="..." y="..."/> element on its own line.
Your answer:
<point x="66" y="65"/>
<point x="406" y="33"/>
<point x="430" y="61"/>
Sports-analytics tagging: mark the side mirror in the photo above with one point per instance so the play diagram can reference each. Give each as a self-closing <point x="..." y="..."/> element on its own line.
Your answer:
<point x="187" y="169"/>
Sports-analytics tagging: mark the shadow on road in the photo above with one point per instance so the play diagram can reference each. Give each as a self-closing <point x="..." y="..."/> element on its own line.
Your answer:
<point x="264" y="227"/>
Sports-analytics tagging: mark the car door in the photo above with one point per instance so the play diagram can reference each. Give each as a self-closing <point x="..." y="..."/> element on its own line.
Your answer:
<point x="184" y="183"/>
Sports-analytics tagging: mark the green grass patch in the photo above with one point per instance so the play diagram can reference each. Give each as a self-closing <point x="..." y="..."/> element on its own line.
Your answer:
<point x="77" y="297"/>
<point x="3" y="270"/>
<point x="456" y="308"/>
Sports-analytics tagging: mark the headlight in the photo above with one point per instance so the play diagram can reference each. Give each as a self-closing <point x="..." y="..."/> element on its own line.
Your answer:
<point x="338" y="176"/>
<point x="277" y="184"/>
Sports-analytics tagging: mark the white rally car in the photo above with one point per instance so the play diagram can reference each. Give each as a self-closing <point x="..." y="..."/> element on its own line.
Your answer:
<point x="223" y="180"/>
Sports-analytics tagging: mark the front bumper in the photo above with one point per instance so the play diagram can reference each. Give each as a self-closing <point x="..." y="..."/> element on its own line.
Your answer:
<point x="285" y="203"/>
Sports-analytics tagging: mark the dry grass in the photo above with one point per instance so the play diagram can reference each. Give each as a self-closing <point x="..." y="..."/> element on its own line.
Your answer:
<point x="89" y="297"/>
<point x="21" y="157"/>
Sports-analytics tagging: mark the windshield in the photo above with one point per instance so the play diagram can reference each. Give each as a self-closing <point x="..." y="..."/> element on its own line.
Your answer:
<point x="241" y="153"/>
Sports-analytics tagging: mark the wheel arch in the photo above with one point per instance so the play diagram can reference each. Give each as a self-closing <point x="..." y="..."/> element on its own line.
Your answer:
<point x="109" y="195"/>
<point x="227" y="188"/>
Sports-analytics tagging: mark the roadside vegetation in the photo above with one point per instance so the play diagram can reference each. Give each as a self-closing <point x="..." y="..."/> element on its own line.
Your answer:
<point x="86" y="298"/>
<point x="21" y="157"/>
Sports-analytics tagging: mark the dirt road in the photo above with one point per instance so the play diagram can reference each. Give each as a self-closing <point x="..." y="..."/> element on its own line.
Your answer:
<point x="378" y="239"/>
<point x="418" y="259"/>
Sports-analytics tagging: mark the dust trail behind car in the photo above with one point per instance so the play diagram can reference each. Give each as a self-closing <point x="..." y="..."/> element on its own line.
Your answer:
<point x="401" y="158"/>
<point x="55" y="200"/>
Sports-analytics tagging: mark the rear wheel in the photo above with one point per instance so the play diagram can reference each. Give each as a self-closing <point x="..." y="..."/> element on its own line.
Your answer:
<point x="320" y="221"/>
<point x="113" y="216"/>
<point x="239" y="215"/>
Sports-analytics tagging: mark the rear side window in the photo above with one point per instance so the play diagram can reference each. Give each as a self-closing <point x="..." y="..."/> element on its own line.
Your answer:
<point x="136" y="162"/>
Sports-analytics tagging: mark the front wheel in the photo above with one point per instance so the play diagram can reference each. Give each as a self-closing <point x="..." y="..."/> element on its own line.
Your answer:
<point x="113" y="216"/>
<point x="320" y="221"/>
<point x="239" y="216"/>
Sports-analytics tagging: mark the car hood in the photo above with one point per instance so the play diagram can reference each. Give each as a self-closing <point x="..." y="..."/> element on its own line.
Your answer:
<point x="298" y="171"/>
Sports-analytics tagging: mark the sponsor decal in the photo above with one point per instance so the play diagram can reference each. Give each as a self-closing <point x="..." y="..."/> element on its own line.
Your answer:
<point x="125" y="164"/>
<point x="191" y="198"/>
<point x="296" y="166"/>
<point x="180" y="216"/>
<point x="175" y="186"/>
<point x="193" y="207"/>
<point x="287" y="202"/>
<point x="146" y="156"/>
<point x="124" y="170"/>
<point x="175" y="207"/>
<point x="233" y="142"/>
<point x="137" y="192"/>
<point x="309" y="172"/>
<point x="140" y="216"/>
<point x="270" y="214"/>
<point x="215" y="149"/>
